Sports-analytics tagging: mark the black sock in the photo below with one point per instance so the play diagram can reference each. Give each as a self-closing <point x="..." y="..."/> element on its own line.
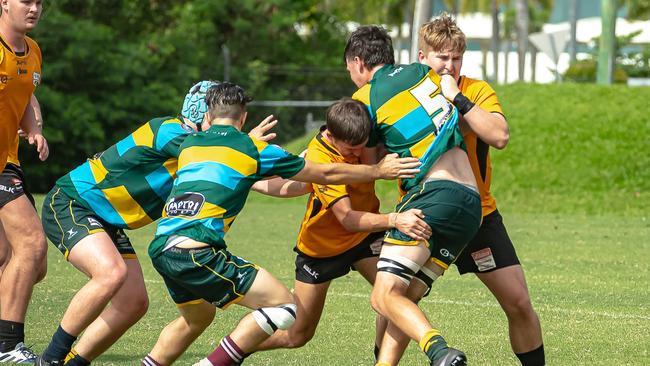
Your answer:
<point x="11" y="333"/>
<point x="60" y="345"/>
<point x="532" y="358"/>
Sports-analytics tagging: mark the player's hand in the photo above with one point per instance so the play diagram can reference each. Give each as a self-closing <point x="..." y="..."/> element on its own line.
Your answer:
<point x="412" y="223"/>
<point x="449" y="86"/>
<point x="41" y="145"/>
<point x="260" y="131"/>
<point x="392" y="166"/>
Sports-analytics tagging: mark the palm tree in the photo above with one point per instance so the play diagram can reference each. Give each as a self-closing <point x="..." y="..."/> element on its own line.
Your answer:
<point x="607" y="47"/>
<point x="523" y="25"/>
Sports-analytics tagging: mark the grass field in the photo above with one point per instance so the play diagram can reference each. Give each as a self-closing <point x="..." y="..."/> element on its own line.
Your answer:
<point x="574" y="189"/>
<point x="588" y="278"/>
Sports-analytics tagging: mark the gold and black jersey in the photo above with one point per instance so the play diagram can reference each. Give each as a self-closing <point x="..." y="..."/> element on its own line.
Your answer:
<point x="20" y="74"/>
<point x="321" y="234"/>
<point x="479" y="92"/>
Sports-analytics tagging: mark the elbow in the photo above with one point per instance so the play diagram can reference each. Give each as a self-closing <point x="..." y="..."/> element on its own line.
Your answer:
<point x="502" y="141"/>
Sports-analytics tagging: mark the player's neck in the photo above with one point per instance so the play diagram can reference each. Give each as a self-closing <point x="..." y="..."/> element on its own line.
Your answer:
<point x="375" y="69"/>
<point x="14" y="38"/>
<point x="226" y="122"/>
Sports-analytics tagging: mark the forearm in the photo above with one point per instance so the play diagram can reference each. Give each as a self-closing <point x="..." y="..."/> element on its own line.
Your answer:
<point x="32" y="122"/>
<point x="279" y="187"/>
<point x="338" y="173"/>
<point x="492" y="128"/>
<point x="367" y="221"/>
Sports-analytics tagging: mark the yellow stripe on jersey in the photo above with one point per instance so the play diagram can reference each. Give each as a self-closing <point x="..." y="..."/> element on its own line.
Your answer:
<point x="397" y="107"/>
<point x="98" y="170"/>
<point x="172" y="166"/>
<point x="260" y="145"/>
<point x="210" y="210"/>
<point x="128" y="209"/>
<point x="421" y="147"/>
<point x="143" y="136"/>
<point x="238" y="161"/>
<point x="227" y="222"/>
<point x="363" y="94"/>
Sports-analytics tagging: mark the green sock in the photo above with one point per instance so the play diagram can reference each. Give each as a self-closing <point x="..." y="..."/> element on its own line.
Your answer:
<point x="433" y="344"/>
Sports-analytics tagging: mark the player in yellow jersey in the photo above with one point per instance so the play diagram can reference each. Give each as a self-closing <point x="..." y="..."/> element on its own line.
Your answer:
<point x="490" y="255"/>
<point x="22" y="242"/>
<point x="342" y="228"/>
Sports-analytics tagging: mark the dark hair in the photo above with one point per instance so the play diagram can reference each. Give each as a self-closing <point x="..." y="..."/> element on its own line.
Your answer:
<point x="372" y="45"/>
<point x="226" y="100"/>
<point x="348" y="120"/>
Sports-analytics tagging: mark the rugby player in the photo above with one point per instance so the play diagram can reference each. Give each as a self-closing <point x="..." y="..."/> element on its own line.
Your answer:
<point x="490" y="255"/>
<point x="216" y="170"/>
<point x="412" y="118"/>
<point x="85" y="214"/>
<point x="342" y="228"/>
<point x="22" y="242"/>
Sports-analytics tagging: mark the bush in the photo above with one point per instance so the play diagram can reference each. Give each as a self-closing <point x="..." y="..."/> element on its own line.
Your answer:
<point x="584" y="71"/>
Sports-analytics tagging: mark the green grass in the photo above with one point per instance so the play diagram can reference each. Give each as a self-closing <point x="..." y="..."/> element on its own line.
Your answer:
<point x="573" y="187"/>
<point x="588" y="278"/>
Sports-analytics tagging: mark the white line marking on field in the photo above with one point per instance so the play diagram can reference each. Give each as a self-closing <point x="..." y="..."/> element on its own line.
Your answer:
<point x="604" y="314"/>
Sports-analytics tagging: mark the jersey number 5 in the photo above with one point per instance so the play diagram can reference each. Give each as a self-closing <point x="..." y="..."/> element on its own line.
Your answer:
<point x="436" y="106"/>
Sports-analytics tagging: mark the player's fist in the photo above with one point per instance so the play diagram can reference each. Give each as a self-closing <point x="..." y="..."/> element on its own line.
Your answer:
<point x="449" y="86"/>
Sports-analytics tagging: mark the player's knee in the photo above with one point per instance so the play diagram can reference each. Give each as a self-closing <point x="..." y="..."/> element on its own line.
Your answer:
<point x="138" y="306"/>
<point x="111" y="275"/>
<point x="42" y="270"/>
<point x="271" y="319"/>
<point x="519" y="307"/>
<point x="299" y="339"/>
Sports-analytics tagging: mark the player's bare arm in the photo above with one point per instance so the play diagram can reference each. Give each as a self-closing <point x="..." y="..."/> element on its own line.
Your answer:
<point x="409" y="222"/>
<point x="31" y="124"/>
<point x="492" y="128"/>
<point x="280" y="187"/>
<point x="391" y="167"/>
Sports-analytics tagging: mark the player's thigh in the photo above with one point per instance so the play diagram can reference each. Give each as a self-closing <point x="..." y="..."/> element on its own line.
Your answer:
<point x="508" y="285"/>
<point x="200" y="313"/>
<point x="96" y="254"/>
<point x="418" y="253"/>
<point x="310" y="301"/>
<point x="367" y="267"/>
<point x="22" y="226"/>
<point x="266" y="290"/>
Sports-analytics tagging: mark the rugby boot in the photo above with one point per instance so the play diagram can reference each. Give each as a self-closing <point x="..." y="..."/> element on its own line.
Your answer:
<point x="21" y="354"/>
<point x="453" y="357"/>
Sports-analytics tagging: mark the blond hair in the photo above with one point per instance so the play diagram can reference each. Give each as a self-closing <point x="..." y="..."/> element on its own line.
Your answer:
<point x="441" y="34"/>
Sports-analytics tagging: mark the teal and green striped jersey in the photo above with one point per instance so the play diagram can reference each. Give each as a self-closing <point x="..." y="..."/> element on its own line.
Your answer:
<point x="127" y="184"/>
<point x="216" y="170"/>
<point x="410" y="115"/>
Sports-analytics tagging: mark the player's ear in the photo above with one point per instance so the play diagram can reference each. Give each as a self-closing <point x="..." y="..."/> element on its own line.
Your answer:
<point x="421" y="56"/>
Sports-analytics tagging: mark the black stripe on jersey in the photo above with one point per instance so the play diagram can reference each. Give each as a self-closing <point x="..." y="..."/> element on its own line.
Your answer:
<point x="20" y="54"/>
<point x="315" y="207"/>
<point x="482" y="150"/>
<point x="6" y="45"/>
<point x="319" y="138"/>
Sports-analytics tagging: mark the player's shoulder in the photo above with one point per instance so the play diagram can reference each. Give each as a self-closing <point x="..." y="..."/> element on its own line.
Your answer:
<point x="468" y="84"/>
<point x="33" y="46"/>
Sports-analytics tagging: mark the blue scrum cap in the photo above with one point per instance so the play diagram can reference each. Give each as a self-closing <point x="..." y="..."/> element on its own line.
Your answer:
<point x="194" y="105"/>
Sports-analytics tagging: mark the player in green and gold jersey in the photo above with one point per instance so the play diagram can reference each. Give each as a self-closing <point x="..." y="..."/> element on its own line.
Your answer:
<point x="413" y="118"/>
<point x="85" y="214"/>
<point x="216" y="170"/>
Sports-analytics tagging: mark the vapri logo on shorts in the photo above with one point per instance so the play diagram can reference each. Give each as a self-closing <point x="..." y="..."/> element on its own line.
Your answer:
<point x="188" y="204"/>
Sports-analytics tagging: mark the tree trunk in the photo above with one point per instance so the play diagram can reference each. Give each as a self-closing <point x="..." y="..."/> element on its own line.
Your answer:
<point x="607" y="47"/>
<point x="495" y="40"/>
<point x="421" y="15"/>
<point x="522" y="21"/>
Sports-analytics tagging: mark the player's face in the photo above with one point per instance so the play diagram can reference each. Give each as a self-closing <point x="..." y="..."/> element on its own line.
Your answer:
<point x="443" y="62"/>
<point x="356" y="68"/>
<point x="348" y="151"/>
<point x="23" y="15"/>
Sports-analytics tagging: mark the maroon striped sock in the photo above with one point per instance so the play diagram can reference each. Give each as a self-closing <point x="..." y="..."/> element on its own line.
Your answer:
<point x="227" y="354"/>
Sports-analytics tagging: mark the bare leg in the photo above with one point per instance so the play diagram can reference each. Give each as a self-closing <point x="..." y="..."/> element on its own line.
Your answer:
<point x="27" y="260"/>
<point x="508" y="285"/>
<point x="310" y="300"/>
<point x="127" y="307"/>
<point x="181" y="332"/>
<point x="97" y="257"/>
